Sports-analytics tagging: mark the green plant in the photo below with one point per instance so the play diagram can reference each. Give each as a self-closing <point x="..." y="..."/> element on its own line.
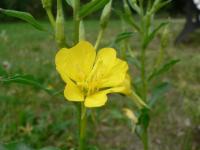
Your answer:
<point x="148" y="85"/>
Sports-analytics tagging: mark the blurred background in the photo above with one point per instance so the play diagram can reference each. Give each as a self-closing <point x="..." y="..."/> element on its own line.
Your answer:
<point x="175" y="8"/>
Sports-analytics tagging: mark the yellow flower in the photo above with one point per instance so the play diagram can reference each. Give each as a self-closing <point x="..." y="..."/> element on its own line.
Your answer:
<point x="90" y="76"/>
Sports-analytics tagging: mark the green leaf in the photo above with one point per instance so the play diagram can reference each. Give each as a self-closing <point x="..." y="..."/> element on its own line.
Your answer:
<point x="166" y="67"/>
<point x="158" y="93"/>
<point x="27" y="80"/>
<point x="158" y="4"/>
<point x="143" y="123"/>
<point x="133" y="60"/>
<point x="23" y="16"/>
<point x="91" y="7"/>
<point x="128" y="19"/>
<point x="122" y="36"/>
<point x="70" y="3"/>
<point x="153" y="33"/>
<point x="135" y="6"/>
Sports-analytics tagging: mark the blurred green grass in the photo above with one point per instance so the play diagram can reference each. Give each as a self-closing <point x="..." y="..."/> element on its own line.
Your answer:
<point x="33" y="117"/>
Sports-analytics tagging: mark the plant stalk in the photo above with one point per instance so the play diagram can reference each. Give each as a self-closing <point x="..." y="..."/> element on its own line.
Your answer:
<point x="51" y="18"/>
<point x="76" y="20"/>
<point x="143" y="75"/>
<point x="144" y="91"/>
<point x="145" y="140"/>
<point x="82" y="131"/>
<point x="100" y="35"/>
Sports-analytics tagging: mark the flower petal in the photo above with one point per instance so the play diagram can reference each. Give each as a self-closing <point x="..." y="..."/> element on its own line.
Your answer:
<point x="96" y="100"/>
<point x="100" y="98"/>
<point x="116" y="74"/>
<point x="104" y="62"/>
<point x="76" y="62"/>
<point x="72" y="92"/>
<point x="126" y="84"/>
<point x="107" y="57"/>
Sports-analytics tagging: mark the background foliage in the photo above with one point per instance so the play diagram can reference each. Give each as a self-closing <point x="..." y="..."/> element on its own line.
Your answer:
<point x="35" y="7"/>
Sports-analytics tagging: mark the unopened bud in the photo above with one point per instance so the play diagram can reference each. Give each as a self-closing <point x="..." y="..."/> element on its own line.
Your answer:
<point x="60" y="30"/>
<point x="106" y="15"/>
<point x="165" y="37"/>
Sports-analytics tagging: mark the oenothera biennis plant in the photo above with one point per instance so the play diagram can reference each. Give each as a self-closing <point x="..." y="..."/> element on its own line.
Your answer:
<point x="144" y="25"/>
<point x="89" y="76"/>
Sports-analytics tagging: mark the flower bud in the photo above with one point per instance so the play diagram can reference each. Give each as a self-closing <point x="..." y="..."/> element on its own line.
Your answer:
<point x="106" y="15"/>
<point x="60" y="30"/>
<point x="165" y="37"/>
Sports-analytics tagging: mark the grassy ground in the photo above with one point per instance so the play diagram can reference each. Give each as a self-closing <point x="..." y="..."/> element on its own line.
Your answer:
<point x="33" y="117"/>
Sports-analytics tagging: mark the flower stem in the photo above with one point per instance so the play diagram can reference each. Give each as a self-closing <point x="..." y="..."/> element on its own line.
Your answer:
<point x="82" y="132"/>
<point x="100" y="35"/>
<point x="51" y="18"/>
<point x="145" y="140"/>
<point x="143" y="75"/>
<point x="76" y="20"/>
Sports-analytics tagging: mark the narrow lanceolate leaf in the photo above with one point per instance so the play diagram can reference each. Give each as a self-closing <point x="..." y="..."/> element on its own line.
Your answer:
<point x="128" y="16"/>
<point x="134" y="5"/>
<point x="158" y="4"/>
<point x="154" y="33"/>
<point x="27" y="80"/>
<point x="70" y="3"/>
<point x="158" y="93"/>
<point x="122" y="36"/>
<point x="23" y="16"/>
<point x="143" y="123"/>
<point x="91" y="7"/>
<point x="128" y="19"/>
<point x="166" y="67"/>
